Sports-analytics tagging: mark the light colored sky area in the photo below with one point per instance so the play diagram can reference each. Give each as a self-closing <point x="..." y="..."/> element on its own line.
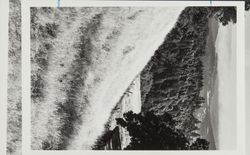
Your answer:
<point x="226" y="51"/>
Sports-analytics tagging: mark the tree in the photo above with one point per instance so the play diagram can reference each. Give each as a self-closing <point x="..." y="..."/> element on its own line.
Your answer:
<point x="200" y="144"/>
<point x="224" y="14"/>
<point x="151" y="132"/>
<point x="247" y="5"/>
<point x="228" y="15"/>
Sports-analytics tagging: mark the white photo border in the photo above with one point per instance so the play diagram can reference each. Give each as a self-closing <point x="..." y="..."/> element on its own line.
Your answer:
<point x="4" y="39"/>
<point x="26" y="75"/>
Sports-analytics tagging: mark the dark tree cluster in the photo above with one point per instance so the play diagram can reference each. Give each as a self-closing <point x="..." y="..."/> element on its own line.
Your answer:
<point x="176" y="71"/>
<point x="247" y="5"/>
<point x="224" y="14"/>
<point x="157" y="132"/>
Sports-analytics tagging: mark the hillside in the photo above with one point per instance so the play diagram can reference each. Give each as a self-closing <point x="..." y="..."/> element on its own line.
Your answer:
<point x="181" y="79"/>
<point x="83" y="60"/>
<point x="173" y="79"/>
<point x="130" y="101"/>
<point x="210" y="89"/>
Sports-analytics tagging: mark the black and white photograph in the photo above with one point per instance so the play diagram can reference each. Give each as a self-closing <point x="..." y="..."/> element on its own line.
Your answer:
<point x="133" y="78"/>
<point x="123" y="76"/>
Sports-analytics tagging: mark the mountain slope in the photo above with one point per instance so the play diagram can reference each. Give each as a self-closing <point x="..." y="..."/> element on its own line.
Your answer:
<point x="83" y="60"/>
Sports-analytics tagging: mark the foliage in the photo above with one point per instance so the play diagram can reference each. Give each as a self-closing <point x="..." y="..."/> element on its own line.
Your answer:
<point x="176" y="71"/>
<point x="151" y="132"/>
<point x="247" y="5"/>
<point x="200" y="144"/>
<point x="172" y="80"/>
<point x="224" y="14"/>
<point x="102" y="140"/>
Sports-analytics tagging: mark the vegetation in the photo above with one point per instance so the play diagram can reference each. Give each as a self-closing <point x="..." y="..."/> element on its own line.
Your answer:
<point x="247" y="5"/>
<point x="172" y="80"/>
<point x="46" y="27"/>
<point x="224" y="14"/>
<point x="176" y="70"/>
<point x="170" y="86"/>
<point x="59" y="74"/>
<point x="151" y="132"/>
<point x="102" y="140"/>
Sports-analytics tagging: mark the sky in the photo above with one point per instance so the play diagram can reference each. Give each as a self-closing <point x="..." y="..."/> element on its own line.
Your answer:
<point x="226" y="51"/>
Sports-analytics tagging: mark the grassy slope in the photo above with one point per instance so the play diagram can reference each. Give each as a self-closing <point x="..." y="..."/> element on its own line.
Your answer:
<point x="83" y="60"/>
